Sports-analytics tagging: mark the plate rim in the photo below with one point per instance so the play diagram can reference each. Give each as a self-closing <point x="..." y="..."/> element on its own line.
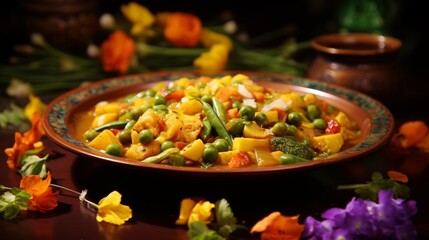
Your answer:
<point x="55" y="114"/>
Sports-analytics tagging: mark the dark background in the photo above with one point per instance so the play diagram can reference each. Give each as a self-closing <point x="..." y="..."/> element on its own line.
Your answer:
<point x="303" y="20"/>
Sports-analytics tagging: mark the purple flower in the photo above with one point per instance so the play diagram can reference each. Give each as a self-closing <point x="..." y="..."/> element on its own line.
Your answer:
<point x="363" y="219"/>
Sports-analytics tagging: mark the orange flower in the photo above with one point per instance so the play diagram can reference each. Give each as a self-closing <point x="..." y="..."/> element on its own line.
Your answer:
<point x="276" y="226"/>
<point x="28" y="141"/>
<point x="116" y="52"/>
<point x="398" y="176"/>
<point x="412" y="133"/>
<point x="182" y="29"/>
<point x="42" y="197"/>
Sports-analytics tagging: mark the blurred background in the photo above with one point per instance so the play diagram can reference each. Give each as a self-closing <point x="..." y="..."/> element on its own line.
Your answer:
<point x="71" y="25"/>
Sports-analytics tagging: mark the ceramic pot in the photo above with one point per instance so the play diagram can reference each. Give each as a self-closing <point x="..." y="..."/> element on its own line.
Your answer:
<point x="361" y="61"/>
<point x="66" y="24"/>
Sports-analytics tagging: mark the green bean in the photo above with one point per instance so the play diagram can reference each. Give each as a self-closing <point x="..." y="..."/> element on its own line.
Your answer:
<point x="207" y="129"/>
<point x="291" y="159"/>
<point x="161" y="156"/>
<point x="114" y="124"/>
<point x="216" y="122"/>
<point x="219" y="109"/>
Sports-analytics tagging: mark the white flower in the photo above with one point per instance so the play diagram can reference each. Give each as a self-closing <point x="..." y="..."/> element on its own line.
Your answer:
<point x="93" y="51"/>
<point x="18" y="88"/>
<point x="37" y="39"/>
<point x="230" y="27"/>
<point x="107" y="21"/>
<point x="83" y="195"/>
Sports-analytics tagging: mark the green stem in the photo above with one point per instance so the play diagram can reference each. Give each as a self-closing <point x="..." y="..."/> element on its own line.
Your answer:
<point x="351" y="186"/>
<point x="145" y="50"/>
<point x="75" y="192"/>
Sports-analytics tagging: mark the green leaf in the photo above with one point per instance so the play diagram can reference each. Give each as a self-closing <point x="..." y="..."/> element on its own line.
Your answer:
<point x="13" y="201"/>
<point x="225" y="223"/>
<point x="34" y="165"/>
<point x="199" y="231"/>
<point x="223" y="213"/>
<point x="15" y="118"/>
<point x="370" y="189"/>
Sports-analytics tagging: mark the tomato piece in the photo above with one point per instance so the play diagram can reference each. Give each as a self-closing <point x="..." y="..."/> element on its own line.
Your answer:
<point x="332" y="127"/>
<point x="115" y="131"/>
<point x="175" y="95"/>
<point x="241" y="159"/>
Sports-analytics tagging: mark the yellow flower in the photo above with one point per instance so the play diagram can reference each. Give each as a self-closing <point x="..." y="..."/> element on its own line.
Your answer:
<point x="140" y="16"/>
<point x="185" y="211"/>
<point x="35" y="105"/>
<point x="214" y="60"/>
<point x="110" y="210"/>
<point x="202" y="211"/>
<point x="209" y="38"/>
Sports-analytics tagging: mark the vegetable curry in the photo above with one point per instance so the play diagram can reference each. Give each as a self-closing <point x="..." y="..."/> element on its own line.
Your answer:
<point x="218" y="121"/>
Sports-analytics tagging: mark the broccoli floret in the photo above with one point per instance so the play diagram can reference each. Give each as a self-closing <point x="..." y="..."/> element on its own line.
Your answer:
<point x="290" y="145"/>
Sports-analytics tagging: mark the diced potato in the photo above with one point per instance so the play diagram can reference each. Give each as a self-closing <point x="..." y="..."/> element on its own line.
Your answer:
<point x="225" y="157"/>
<point x="296" y="99"/>
<point x="106" y="108"/>
<point x="104" y="119"/>
<point x="272" y="116"/>
<point x="103" y="140"/>
<point x="254" y="131"/>
<point x="191" y="107"/>
<point x="193" y="151"/>
<point x="343" y="120"/>
<point x="264" y="157"/>
<point x="329" y="143"/>
<point x="276" y="155"/>
<point x="249" y="144"/>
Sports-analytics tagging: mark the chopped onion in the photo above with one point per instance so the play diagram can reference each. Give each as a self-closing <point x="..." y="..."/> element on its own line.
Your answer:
<point x="249" y="102"/>
<point x="279" y="103"/>
<point x="244" y="92"/>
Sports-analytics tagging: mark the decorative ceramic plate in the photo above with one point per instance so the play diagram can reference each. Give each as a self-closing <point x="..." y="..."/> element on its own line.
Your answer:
<point x="373" y="118"/>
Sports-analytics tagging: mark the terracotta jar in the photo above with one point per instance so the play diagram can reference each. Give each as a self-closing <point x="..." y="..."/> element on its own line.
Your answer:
<point x="66" y="24"/>
<point x="361" y="61"/>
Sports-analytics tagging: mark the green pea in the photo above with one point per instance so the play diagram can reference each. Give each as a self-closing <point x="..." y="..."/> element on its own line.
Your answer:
<point x="279" y="129"/>
<point x="113" y="149"/>
<point x="130" y="125"/>
<point x="201" y="85"/>
<point x="294" y="118"/>
<point x="136" y="113"/>
<point x="125" y="136"/>
<point x="150" y="92"/>
<point x="89" y="135"/>
<point x="313" y="112"/>
<point x="126" y="116"/>
<point x="210" y="154"/>
<point x="236" y="104"/>
<point x="260" y="118"/>
<point x="145" y="136"/>
<point x="160" y="108"/>
<point x="221" y="145"/>
<point x="176" y="160"/>
<point x="159" y="100"/>
<point x="291" y="130"/>
<point x="235" y="126"/>
<point x="166" y="145"/>
<point x="247" y="113"/>
<point x="319" y="123"/>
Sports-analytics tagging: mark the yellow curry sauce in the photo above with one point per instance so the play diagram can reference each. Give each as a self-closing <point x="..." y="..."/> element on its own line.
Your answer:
<point x="223" y="121"/>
